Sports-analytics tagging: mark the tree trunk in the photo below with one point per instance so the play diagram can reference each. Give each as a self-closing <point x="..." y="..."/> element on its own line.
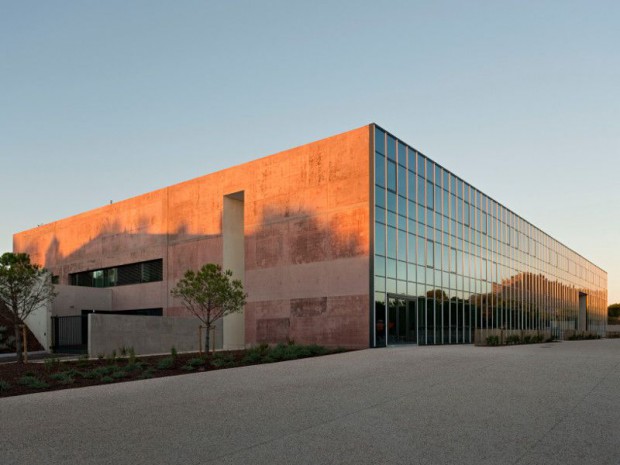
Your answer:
<point x="207" y="337"/>
<point x="18" y="344"/>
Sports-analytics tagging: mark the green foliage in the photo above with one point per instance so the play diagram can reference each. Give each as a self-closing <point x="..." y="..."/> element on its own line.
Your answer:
<point x="146" y="374"/>
<point x="62" y="378"/>
<point x="4" y="385"/>
<point x="24" y="286"/>
<point x="32" y="382"/>
<point x="196" y="362"/>
<point x="120" y="374"/>
<point x="165" y="363"/>
<point x="614" y="310"/>
<point x="107" y="379"/>
<point x="255" y="354"/>
<point x="173" y="352"/>
<point x="513" y="339"/>
<point x="492" y="340"/>
<point x="265" y="354"/>
<point x="83" y="360"/>
<point x="210" y="294"/>
<point x="223" y="360"/>
<point x="132" y="356"/>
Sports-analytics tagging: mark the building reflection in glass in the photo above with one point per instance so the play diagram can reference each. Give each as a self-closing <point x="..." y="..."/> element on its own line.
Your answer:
<point x="448" y="260"/>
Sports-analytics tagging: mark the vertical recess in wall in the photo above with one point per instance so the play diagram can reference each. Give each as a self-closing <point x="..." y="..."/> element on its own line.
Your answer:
<point x="583" y="312"/>
<point x="234" y="260"/>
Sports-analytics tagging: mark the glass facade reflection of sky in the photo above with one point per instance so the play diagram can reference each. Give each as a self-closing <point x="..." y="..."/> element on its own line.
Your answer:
<point x="448" y="260"/>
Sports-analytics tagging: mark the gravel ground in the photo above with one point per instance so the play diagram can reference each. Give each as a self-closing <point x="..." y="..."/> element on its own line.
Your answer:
<point x="551" y="403"/>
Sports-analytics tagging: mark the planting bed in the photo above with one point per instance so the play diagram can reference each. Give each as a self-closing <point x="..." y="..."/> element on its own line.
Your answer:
<point x="53" y="374"/>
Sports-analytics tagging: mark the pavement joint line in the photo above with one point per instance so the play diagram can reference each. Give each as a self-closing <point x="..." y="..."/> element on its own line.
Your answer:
<point x="335" y="419"/>
<point x="565" y="416"/>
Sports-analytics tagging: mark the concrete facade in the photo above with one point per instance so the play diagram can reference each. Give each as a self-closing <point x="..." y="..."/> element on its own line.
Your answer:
<point x="294" y="227"/>
<point x="145" y="334"/>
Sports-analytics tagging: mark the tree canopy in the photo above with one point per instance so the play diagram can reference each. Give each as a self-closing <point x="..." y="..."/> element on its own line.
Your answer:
<point x="210" y="294"/>
<point x="614" y="310"/>
<point x="24" y="286"/>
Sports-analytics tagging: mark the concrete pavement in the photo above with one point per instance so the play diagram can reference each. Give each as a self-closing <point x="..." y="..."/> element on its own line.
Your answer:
<point x="552" y="403"/>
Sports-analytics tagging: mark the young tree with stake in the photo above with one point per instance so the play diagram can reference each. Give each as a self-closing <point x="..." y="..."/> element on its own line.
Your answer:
<point x="210" y="294"/>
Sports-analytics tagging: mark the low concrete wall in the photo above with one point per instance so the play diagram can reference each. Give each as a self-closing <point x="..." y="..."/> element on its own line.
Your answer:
<point x="146" y="334"/>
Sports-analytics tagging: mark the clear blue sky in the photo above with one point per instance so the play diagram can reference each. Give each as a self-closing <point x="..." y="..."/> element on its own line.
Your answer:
<point x="102" y="101"/>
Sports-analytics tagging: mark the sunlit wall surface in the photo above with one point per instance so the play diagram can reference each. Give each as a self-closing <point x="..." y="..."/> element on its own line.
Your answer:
<point x="448" y="260"/>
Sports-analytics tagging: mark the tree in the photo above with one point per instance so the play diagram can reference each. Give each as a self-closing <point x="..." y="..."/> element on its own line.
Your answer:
<point x="24" y="286"/>
<point x="210" y="294"/>
<point x="613" y="311"/>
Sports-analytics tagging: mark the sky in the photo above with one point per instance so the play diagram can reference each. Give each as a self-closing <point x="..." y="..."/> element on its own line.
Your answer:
<point x="103" y="101"/>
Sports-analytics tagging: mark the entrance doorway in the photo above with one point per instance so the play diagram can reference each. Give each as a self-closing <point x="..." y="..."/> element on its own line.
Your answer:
<point x="401" y="321"/>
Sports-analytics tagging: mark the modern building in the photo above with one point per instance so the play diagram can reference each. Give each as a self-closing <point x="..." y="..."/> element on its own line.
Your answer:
<point x="356" y="240"/>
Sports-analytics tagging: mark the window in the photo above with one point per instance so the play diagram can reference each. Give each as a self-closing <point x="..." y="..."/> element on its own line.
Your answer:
<point x="134" y="273"/>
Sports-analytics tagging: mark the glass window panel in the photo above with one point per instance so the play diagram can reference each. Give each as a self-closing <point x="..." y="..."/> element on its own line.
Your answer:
<point x="380" y="170"/>
<point x="391" y="148"/>
<point x="421" y="252"/>
<point x="430" y="202"/>
<point x="429" y="253"/>
<point x="379" y="265"/>
<point x="391" y="219"/>
<point x="421" y="184"/>
<point x="380" y="214"/>
<point x="391" y="196"/>
<point x="379" y="140"/>
<point x="411" y="274"/>
<point x="402" y="205"/>
<point x="391" y="268"/>
<point x="380" y="196"/>
<point x="430" y="169"/>
<point x="402" y="180"/>
<point x="391" y="175"/>
<point x="391" y="242"/>
<point x="402" y="245"/>
<point x="402" y="154"/>
<point x="411" y="189"/>
<point x="421" y="166"/>
<point x="438" y="175"/>
<point x="379" y="239"/>
<point x="438" y="191"/>
<point x="401" y="271"/>
<point x="421" y="214"/>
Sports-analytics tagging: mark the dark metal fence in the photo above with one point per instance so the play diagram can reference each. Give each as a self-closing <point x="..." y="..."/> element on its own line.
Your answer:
<point x="70" y="334"/>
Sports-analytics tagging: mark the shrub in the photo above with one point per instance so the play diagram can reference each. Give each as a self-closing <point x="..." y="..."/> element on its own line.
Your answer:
<point x="255" y="354"/>
<point x="173" y="352"/>
<point x="513" y="339"/>
<point x="146" y="374"/>
<point x="527" y="339"/>
<point x="107" y="379"/>
<point x="119" y="374"/>
<point x="32" y="382"/>
<point x="222" y="360"/>
<point x="63" y="378"/>
<point x="492" y="340"/>
<point x="165" y="363"/>
<point x="4" y="385"/>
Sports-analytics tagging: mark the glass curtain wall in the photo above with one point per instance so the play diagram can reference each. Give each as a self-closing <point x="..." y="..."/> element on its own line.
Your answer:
<point x="448" y="259"/>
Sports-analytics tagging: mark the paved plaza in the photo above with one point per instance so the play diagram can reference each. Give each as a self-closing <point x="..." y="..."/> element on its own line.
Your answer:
<point x="555" y="403"/>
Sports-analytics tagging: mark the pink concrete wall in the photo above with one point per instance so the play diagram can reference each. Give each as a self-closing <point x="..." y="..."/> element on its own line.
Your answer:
<point x="306" y="240"/>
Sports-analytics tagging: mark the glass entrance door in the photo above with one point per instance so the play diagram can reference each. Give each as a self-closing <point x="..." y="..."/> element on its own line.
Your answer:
<point x="401" y="321"/>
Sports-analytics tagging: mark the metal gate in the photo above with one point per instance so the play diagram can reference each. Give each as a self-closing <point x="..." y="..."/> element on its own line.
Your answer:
<point x="70" y="334"/>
